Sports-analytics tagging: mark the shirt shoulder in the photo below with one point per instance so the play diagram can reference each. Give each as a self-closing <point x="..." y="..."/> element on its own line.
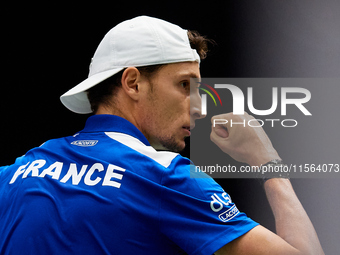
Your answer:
<point x="163" y="158"/>
<point x="196" y="212"/>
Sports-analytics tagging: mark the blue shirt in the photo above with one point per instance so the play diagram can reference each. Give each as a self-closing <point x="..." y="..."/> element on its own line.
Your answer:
<point x="105" y="190"/>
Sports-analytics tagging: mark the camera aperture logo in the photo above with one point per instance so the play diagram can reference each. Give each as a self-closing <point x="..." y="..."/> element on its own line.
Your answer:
<point x="204" y="97"/>
<point x="302" y="96"/>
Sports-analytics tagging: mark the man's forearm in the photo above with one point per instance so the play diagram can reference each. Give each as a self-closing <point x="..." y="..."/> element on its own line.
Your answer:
<point x="295" y="232"/>
<point x="292" y="222"/>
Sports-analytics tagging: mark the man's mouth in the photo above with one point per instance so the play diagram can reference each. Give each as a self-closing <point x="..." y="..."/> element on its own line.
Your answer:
<point x="187" y="130"/>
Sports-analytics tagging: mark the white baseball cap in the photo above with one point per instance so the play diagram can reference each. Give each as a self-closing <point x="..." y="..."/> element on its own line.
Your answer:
<point x="141" y="41"/>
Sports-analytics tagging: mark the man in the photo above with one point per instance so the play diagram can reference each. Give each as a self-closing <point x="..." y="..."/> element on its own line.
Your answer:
<point x="115" y="187"/>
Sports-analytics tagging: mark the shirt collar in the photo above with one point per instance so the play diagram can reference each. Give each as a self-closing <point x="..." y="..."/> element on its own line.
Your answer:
<point x="113" y="123"/>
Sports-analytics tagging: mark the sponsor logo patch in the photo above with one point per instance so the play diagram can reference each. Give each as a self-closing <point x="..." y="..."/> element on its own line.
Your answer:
<point x="229" y="214"/>
<point x="85" y="143"/>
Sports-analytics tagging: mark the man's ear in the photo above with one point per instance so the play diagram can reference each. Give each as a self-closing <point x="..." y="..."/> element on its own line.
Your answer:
<point x="130" y="80"/>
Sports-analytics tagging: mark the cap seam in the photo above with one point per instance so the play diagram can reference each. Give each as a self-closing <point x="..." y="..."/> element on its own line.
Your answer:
<point x="114" y="55"/>
<point x="156" y="35"/>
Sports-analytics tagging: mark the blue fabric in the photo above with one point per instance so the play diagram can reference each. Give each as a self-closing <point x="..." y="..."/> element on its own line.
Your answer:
<point x="105" y="190"/>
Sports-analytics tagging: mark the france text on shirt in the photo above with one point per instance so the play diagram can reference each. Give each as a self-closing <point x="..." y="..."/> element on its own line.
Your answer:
<point x="37" y="169"/>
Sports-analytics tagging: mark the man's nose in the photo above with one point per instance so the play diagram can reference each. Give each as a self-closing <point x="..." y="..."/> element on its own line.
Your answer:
<point x="195" y="109"/>
<point x="196" y="113"/>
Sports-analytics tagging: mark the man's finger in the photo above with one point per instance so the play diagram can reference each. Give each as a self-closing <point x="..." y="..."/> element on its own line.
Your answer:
<point x="220" y="131"/>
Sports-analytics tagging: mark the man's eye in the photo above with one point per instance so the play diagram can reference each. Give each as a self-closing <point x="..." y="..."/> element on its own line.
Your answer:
<point x="185" y="84"/>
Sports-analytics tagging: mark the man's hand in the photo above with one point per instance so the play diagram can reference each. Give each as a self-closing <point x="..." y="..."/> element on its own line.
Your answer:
<point x="242" y="142"/>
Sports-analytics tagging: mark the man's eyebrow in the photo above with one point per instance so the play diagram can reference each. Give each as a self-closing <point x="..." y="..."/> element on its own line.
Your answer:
<point x="190" y="75"/>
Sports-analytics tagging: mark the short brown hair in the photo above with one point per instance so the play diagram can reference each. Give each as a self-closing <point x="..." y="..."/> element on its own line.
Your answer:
<point x="103" y="92"/>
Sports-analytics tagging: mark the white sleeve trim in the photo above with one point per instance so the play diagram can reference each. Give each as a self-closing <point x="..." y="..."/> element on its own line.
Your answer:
<point x="161" y="157"/>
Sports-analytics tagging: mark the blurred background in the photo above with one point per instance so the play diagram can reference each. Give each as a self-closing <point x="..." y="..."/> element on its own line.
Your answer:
<point x="47" y="48"/>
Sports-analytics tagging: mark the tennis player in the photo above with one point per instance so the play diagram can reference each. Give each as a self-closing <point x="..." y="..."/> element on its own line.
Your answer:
<point x="120" y="187"/>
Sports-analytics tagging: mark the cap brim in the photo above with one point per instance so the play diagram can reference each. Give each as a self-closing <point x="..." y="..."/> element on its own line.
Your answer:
<point x="76" y="98"/>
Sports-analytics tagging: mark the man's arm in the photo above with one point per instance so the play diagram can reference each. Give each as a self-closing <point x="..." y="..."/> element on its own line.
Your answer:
<point x="295" y="232"/>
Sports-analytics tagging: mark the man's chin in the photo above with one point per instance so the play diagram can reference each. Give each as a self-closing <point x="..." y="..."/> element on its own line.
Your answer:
<point x="179" y="149"/>
<point x="173" y="145"/>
